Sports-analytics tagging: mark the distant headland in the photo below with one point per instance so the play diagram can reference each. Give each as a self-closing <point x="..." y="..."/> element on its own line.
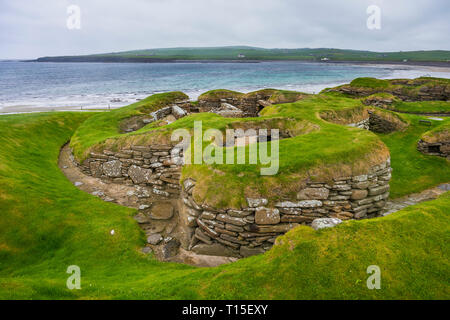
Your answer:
<point x="254" y="54"/>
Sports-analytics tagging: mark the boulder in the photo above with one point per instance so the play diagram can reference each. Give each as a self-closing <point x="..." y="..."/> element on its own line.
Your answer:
<point x="322" y="223"/>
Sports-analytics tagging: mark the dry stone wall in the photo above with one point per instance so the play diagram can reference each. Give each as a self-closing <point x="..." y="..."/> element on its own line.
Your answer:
<point x="253" y="229"/>
<point x="152" y="166"/>
<point x="440" y="148"/>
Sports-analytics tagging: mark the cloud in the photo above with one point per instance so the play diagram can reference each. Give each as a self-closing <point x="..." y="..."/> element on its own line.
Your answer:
<point x="29" y="29"/>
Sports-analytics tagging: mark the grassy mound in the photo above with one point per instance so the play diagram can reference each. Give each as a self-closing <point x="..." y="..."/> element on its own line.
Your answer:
<point x="412" y="170"/>
<point x="47" y="225"/>
<point x="440" y="133"/>
<point x="419" y="89"/>
<point x="317" y="150"/>
<point x="105" y="125"/>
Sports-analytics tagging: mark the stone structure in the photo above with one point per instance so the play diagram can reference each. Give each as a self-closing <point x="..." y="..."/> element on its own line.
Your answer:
<point x="440" y="148"/>
<point x="230" y="232"/>
<point x="253" y="229"/>
<point x="157" y="167"/>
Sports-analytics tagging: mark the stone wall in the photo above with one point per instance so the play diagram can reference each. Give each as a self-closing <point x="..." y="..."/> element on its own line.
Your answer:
<point x="253" y="229"/>
<point x="250" y="106"/>
<point x="146" y="166"/>
<point x="441" y="148"/>
<point x="379" y="124"/>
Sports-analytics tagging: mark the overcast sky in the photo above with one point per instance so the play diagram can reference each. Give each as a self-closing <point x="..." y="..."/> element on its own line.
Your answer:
<point x="34" y="28"/>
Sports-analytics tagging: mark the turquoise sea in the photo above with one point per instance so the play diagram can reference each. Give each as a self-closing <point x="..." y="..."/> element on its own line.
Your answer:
<point x="33" y="85"/>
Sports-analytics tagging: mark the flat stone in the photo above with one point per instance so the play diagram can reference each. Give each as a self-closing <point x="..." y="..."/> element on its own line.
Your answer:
<point x="378" y="190"/>
<point x="139" y="175"/>
<point x="267" y="216"/>
<point x="313" y="194"/>
<point x="162" y="211"/>
<point x="322" y="223"/>
<point x="214" y="249"/>
<point x="256" y="202"/>
<point x="360" y="178"/>
<point x="277" y="228"/>
<point x="232" y="220"/>
<point x="247" y="251"/>
<point x="299" y="204"/>
<point x="358" y="194"/>
<point x="113" y="168"/>
<point x="154" y="239"/>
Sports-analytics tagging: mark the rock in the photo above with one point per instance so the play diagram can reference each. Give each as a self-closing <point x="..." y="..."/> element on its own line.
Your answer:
<point x="378" y="190"/>
<point x="154" y="239"/>
<point x="358" y="194"/>
<point x="113" y="168"/>
<point x="96" y="168"/>
<point x="232" y="220"/>
<point x="278" y="228"/>
<point x="254" y="203"/>
<point x="170" y="247"/>
<point x="321" y="223"/>
<point x="247" y="251"/>
<point x="313" y="194"/>
<point x="146" y="250"/>
<point x="299" y="204"/>
<point x="214" y="249"/>
<point x="178" y="112"/>
<point x="161" y="211"/>
<point x="78" y="184"/>
<point x="188" y="184"/>
<point x="296" y="219"/>
<point x="360" y="178"/>
<point x="267" y="216"/>
<point x="143" y="207"/>
<point x="139" y="175"/>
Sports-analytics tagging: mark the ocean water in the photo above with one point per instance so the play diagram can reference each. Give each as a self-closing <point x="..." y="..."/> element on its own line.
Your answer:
<point x="32" y="86"/>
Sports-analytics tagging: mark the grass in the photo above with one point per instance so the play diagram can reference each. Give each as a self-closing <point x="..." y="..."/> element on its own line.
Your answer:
<point x="422" y="106"/>
<point x="47" y="224"/>
<point x="412" y="170"/>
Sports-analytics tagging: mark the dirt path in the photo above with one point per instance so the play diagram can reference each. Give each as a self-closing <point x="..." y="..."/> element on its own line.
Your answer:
<point x="415" y="198"/>
<point x="160" y="232"/>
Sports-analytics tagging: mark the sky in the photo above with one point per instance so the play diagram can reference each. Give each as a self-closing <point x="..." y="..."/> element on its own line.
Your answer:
<point x="36" y="28"/>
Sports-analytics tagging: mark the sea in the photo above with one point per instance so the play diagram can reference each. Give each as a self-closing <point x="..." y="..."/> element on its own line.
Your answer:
<point x="37" y="86"/>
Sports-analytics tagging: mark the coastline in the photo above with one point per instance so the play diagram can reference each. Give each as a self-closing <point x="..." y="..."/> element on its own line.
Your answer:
<point x="104" y="101"/>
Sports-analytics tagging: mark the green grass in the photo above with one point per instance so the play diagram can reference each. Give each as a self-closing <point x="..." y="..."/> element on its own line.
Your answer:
<point x="412" y="170"/>
<point x="48" y="224"/>
<point x="422" y="106"/>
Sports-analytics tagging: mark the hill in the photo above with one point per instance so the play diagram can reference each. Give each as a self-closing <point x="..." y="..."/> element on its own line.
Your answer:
<point x="244" y="53"/>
